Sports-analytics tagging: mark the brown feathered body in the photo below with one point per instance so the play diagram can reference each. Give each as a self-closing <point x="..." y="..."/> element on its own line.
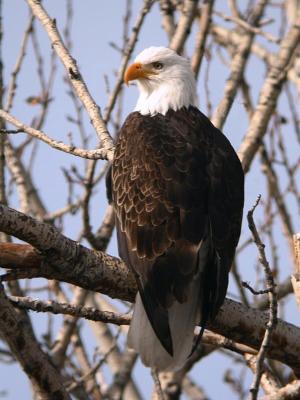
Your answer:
<point x="176" y="185"/>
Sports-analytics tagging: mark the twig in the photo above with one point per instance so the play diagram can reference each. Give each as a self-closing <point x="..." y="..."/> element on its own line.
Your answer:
<point x="13" y="82"/>
<point x="269" y="170"/>
<point x="229" y="38"/>
<point x="91" y="166"/>
<point x="75" y="151"/>
<point x="122" y="377"/>
<point x="216" y="340"/>
<point x="268" y="381"/>
<point x="67" y="329"/>
<point x="243" y="24"/>
<point x="105" y="339"/>
<point x="3" y="198"/>
<point x="283" y="289"/>
<point x="69" y="208"/>
<point x="253" y="291"/>
<point x="193" y="391"/>
<point x="27" y="351"/>
<point x="158" y="389"/>
<point x="127" y="53"/>
<point x="74" y="75"/>
<point x="273" y="304"/>
<point x="79" y="311"/>
<point x="92" y="387"/>
<point x="95" y="368"/>
<point x="204" y="22"/>
<point x="237" y="68"/>
<point x="295" y="277"/>
<point x="28" y="193"/>
<point x="288" y="392"/>
<point x="269" y="95"/>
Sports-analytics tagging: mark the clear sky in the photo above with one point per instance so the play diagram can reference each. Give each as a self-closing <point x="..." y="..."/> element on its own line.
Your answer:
<point x="95" y="25"/>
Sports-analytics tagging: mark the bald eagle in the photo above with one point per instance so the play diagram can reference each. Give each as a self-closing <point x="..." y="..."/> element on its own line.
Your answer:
<point x="177" y="187"/>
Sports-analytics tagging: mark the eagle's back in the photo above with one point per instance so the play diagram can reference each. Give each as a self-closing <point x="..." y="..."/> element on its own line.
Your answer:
<point x="176" y="183"/>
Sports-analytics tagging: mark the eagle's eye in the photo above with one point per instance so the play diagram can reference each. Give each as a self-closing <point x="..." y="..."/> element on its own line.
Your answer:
<point x="157" y="65"/>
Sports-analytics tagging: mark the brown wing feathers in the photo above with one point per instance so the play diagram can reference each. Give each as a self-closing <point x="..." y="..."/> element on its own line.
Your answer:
<point x="176" y="181"/>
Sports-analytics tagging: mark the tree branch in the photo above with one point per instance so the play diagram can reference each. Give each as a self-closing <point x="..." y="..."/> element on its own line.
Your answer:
<point x="272" y="308"/>
<point x="295" y="278"/>
<point x="74" y="75"/>
<point x="237" y="68"/>
<point x="75" y="151"/>
<point x="184" y="25"/>
<point x="269" y="95"/>
<point x="90" y="313"/>
<point x="41" y="372"/>
<point x="288" y="392"/>
<point x="67" y="261"/>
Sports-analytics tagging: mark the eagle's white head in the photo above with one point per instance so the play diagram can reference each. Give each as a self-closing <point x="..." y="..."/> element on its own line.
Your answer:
<point x="165" y="80"/>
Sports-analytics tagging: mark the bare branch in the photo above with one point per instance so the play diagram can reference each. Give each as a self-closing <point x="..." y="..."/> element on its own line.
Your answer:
<point x="270" y="327"/>
<point x="184" y="25"/>
<point x="243" y="24"/>
<point x="69" y="259"/>
<point x="80" y="311"/>
<point x="269" y="95"/>
<point x="127" y="54"/>
<point x="167" y="11"/>
<point x="204" y="22"/>
<point x="237" y="68"/>
<point x="66" y="331"/>
<point x="288" y="392"/>
<point x="295" y="278"/>
<point x="122" y="377"/>
<point x="99" y="272"/>
<point x="44" y="377"/>
<point x="158" y="391"/>
<point x="75" y="151"/>
<point x="74" y="75"/>
<point x="13" y="82"/>
<point x="267" y="381"/>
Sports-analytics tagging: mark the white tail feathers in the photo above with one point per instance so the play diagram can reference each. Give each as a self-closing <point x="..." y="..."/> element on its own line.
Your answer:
<point x="182" y="321"/>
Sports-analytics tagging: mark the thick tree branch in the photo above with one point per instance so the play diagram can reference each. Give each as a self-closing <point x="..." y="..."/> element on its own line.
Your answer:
<point x="67" y="261"/>
<point x="247" y="325"/>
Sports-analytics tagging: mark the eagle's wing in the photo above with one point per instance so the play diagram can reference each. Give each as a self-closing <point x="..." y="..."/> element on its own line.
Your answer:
<point x="166" y="174"/>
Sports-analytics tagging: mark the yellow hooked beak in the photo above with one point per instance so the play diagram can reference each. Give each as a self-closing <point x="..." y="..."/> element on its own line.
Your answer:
<point x="137" y="71"/>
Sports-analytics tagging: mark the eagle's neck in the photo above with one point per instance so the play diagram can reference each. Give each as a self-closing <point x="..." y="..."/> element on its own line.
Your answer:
<point x="172" y="95"/>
